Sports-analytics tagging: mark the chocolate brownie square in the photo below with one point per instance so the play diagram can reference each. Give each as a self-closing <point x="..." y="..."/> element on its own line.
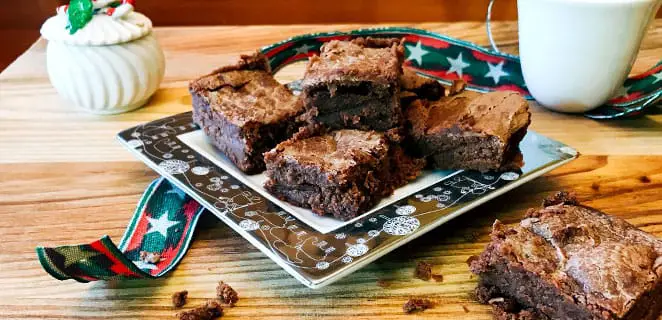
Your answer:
<point x="244" y="111"/>
<point x="355" y="84"/>
<point x="343" y="173"/>
<point x="470" y="130"/>
<point x="414" y="86"/>
<point x="568" y="261"/>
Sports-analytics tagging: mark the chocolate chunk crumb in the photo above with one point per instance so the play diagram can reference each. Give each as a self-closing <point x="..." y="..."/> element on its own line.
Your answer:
<point x="644" y="179"/>
<point x="595" y="186"/>
<point x="383" y="283"/>
<point x="179" y="298"/>
<point x="423" y="271"/>
<point x="438" y="277"/>
<point x="470" y="259"/>
<point x="208" y="311"/>
<point x="150" y="257"/>
<point x="226" y="293"/>
<point x="561" y="197"/>
<point x="456" y="87"/>
<point x="415" y="305"/>
<point x="465" y="308"/>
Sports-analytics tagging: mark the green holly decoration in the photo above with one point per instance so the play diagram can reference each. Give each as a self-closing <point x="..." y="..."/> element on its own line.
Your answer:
<point x="80" y="12"/>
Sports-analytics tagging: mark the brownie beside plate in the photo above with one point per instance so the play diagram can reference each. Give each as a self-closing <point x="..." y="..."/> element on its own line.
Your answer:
<point x="343" y="173"/>
<point x="567" y="261"/>
<point x="470" y="130"/>
<point x="244" y="111"/>
<point x="355" y="84"/>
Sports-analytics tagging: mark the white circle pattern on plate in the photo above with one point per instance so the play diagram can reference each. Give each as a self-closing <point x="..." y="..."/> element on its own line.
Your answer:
<point x="357" y="250"/>
<point x="322" y="265"/>
<point x="200" y="171"/>
<point x="509" y="176"/>
<point x="405" y="210"/>
<point x="249" y="225"/>
<point x="174" y="166"/>
<point x="402" y="225"/>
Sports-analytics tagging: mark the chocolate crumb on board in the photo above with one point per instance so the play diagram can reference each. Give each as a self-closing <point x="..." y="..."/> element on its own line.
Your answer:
<point x="561" y="197"/>
<point x="644" y="179"/>
<point x="456" y="87"/>
<point x="179" y="298"/>
<point x="150" y="257"/>
<point x="437" y="277"/>
<point x="595" y="186"/>
<point x="415" y="305"/>
<point x="226" y="293"/>
<point x="208" y="311"/>
<point x="465" y="308"/>
<point x="423" y="270"/>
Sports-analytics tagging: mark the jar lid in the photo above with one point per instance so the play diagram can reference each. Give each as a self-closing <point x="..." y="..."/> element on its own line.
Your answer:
<point x="103" y="25"/>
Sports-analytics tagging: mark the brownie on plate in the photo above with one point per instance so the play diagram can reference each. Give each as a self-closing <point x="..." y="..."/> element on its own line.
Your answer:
<point x="245" y="111"/>
<point x="355" y="84"/>
<point x="470" y="130"/>
<point x="342" y="173"/>
<point x="568" y="261"/>
<point x="414" y="86"/>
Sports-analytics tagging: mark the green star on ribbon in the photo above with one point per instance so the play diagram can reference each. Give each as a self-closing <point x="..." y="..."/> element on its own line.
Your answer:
<point x="74" y="254"/>
<point x="80" y="12"/>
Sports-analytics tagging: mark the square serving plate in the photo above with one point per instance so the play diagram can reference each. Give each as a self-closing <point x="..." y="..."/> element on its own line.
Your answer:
<point x="314" y="251"/>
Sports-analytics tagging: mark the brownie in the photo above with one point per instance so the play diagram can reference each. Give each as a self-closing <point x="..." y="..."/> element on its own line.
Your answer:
<point x="416" y="305"/>
<point x="423" y="271"/>
<point x="208" y="311"/>
<point x="244" y="111"/>
<point x="470" y="130"/>
<point x="342" y="173"/>
<point x="355" y="84"/>
<point x="179" y="298"/>
<point x="226" y="293"/>
<point x="568" y="261"/>
<point x="414" y="86"/>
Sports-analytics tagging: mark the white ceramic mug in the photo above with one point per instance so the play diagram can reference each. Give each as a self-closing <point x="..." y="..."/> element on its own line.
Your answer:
<point x="576" y="54"/>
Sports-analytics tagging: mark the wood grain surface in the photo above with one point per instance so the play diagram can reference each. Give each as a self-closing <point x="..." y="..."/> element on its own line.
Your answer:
<point x="64" y="180"/>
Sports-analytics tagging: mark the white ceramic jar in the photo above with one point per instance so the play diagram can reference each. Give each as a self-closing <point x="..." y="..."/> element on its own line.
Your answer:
<point x="111" y="65"/>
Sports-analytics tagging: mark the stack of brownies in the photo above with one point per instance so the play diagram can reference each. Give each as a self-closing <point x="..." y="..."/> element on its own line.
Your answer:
<point x="337" y="148"/>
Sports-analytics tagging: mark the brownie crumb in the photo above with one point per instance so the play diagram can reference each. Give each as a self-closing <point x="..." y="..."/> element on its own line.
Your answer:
<point x="415" y="305"/>
<point x="423" y="270"/>
<point x="226" y="293"/>
<point x="179" y="298"/>
<point x="438" y="277"/>
<point x="208" y="311"/>
<point x="644" y="179"/>
<point x="150" y="257"/>
<point x="456" y="87"/>
<point x="465" y="308"/>
<point x="471" y="259"/>
<point x="383" y="283"/>
<point x="561" y="197"/>
<point x="595" y="186"/>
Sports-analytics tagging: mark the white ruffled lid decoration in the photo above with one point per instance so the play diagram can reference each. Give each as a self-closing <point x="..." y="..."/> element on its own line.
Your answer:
<point x="111" y="22"/>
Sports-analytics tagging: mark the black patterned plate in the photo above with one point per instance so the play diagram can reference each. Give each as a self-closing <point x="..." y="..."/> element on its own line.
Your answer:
<point x="314" y="257"/>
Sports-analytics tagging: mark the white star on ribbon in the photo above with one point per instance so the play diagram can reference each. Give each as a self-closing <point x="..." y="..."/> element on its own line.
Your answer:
<point x="457" y="65"/>
<point x="303" y="49"/>
<point x="658" y="77"/>
<point x="496" y="72"/>
<point x="416" y="53"/>
<point x="144" y="265"/>
<point x="161" y="224"/>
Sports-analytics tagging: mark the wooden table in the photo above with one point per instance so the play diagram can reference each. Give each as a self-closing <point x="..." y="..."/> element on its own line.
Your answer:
<point x="65" y="180"/>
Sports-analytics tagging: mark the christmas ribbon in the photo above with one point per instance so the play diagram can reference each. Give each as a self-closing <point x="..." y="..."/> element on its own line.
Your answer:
<point x="163" y="225"/>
